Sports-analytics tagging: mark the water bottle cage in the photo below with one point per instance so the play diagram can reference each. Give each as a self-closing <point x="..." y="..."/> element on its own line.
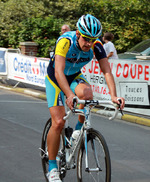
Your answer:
<point x="68" y="133"/>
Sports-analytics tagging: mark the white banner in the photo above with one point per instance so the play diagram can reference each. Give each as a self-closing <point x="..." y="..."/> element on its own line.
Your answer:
<point x="132" y="78"/>
<point x="27" y="69"/>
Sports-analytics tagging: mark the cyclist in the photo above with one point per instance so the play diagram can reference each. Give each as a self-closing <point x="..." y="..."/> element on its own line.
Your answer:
<point x="73" y="50"/>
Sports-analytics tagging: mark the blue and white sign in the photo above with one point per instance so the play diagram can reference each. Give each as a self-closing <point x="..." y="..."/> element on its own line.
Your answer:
<point x="3" y="70"/>
<point x="27" y="69"/>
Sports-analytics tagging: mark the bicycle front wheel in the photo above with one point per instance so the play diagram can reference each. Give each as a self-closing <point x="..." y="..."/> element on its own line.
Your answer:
<point x="99" y="165"/>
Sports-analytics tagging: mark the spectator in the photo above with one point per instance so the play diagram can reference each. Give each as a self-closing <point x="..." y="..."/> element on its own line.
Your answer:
<point x="65" y="28"/>
<point x="109" y="46"/>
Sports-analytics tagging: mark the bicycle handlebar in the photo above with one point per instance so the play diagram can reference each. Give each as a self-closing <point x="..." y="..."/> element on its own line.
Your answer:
<point x="88" y="103"/>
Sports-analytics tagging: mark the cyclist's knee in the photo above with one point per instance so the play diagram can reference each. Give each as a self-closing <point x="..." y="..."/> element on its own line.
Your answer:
<point x="58" y="125"/>
<point x="57" y="114"/>
<point x="86" y="94"/>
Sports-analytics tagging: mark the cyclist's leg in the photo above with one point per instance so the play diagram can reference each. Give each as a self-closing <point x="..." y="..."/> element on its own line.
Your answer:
<point x="82" y="89"/>
<point x="53" y="138"/>
<point x="55" y="99"/>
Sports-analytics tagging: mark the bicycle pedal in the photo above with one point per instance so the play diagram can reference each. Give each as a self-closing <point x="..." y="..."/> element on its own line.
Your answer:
<point x="44" y="153"/>
<point x="74" y="166"/>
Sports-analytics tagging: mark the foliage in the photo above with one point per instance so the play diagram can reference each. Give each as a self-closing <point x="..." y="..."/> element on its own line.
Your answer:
<point x="40" y="20"/>
<point x="12" y="12"/>
<point x="129" y="20"/>
<point x="27" y="22"/>
<point x="43" y="31"/>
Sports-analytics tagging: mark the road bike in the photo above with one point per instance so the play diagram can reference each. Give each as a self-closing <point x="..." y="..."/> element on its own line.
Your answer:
<point x="89" y="152"/>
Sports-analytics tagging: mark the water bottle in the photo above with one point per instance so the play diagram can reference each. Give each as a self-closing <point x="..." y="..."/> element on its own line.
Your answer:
<point x="75" y="136"/>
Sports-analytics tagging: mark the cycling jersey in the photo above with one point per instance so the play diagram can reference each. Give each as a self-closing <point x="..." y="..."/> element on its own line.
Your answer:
<point x="67" y="46"/>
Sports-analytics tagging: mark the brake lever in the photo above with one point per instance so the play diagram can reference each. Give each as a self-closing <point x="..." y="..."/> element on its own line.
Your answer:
<point x="75" y="101"/>
<point x="119" y="106"/>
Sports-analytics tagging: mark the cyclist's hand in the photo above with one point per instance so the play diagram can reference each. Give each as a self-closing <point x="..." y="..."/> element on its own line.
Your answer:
<point x="69" y="101"/>
<point x="119" y="100"/>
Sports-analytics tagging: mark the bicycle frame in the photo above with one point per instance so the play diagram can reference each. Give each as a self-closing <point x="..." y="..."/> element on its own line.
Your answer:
<point x="83" y="134"/>
<point x="77" y="142"/>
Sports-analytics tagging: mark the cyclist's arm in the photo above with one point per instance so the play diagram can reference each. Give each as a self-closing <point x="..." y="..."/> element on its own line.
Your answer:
<point x="60" y="76"/>
<point x="105" y="67"/>
<point x="60" y="54"/>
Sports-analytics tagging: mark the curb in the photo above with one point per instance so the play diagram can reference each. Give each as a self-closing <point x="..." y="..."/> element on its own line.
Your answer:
<point x="108" y="113"/>
<point x="125" y="117"/>
<point x="26" y="91"/>
<point x="135" y="119"/>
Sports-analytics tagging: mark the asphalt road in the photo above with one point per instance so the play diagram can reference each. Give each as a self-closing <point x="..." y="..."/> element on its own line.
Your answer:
<point x="22" y="120"/>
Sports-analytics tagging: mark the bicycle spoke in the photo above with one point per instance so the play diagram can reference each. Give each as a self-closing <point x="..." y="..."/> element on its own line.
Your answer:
<point x="95" y="154"/>
<point x="94" y="177"/>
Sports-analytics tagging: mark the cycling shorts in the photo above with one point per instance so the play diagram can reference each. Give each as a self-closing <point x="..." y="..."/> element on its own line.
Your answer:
<point x="55" y="96"/>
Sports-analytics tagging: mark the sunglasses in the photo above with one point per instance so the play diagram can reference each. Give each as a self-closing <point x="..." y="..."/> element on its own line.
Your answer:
<point x="88" y="39"/>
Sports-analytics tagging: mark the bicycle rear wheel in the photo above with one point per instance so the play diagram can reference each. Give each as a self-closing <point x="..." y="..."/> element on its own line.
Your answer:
<point x="99" y="165"/>
<point x="44" y="152"/>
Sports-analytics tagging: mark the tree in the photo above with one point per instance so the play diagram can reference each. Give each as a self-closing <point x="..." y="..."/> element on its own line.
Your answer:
<point x="43" y="31"/>
<point x="12" y="12"/>
<point x="128" y="20"/>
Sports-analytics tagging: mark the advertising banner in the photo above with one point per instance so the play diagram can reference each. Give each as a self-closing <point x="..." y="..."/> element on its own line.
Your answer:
<point x="3" y="68"/>
<point x="31" y="70"/>
<point x="132" y="78"/>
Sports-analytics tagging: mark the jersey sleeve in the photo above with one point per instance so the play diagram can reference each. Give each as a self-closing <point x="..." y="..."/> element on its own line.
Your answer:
<point x="98" y="50"/>
<point x="62" y="47"/>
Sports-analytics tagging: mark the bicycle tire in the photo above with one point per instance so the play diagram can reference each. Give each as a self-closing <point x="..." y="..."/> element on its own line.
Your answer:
<point x="103" y="158"/>
<point x="44" y="152"/>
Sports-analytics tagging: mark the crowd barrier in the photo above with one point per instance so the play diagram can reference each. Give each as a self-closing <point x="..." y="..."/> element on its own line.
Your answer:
<point x="132" y="77"/>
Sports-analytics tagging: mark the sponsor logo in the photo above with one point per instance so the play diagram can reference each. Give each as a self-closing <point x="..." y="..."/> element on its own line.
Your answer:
<point x="80" y="60"/>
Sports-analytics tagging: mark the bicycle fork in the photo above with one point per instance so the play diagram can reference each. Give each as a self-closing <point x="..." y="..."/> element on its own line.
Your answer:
<point x="87" y="169"/>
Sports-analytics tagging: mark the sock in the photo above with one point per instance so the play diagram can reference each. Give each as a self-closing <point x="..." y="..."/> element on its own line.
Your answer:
<point x="52" y="165"/>
<point x="78" y="126"/>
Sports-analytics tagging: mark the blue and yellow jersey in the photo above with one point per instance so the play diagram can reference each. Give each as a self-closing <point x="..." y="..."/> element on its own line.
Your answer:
<point x="67" y="46"/>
